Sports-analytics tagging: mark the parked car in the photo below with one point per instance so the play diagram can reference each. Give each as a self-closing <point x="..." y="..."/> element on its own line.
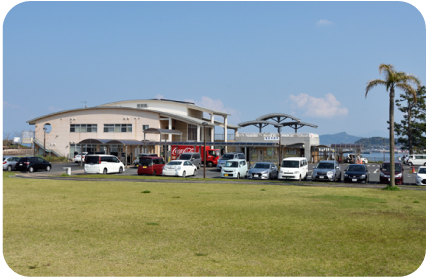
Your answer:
<point x="136" y="161"/>
<point x="327" y="171"/>
<point x="294" y="168"/>
<point x="351" y="158"/>
<point x="229" y="156"/>
<point x="421" y="176"/>
<point x="417" y="160"/>
<point x="356" y="173"/>
<point x="9" y="163"/>
<point x="180" y="168"/>
<point x="32" y="164"/>
<point x="385" y="173"/>
<point x="234" y="169"/>
<point x="150" y="165"/>
<point x="80" y="157"/>
<point x="194" y="158"/>
<point x="263" y="170"/>
<point x="103" y="164"/>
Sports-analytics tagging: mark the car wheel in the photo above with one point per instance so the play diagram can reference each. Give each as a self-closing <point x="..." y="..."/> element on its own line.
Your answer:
<point x="238" y="176"/>
<point x="105" y="171"/>
<point x="209" y="164"/>
<point x="154" y="173"/>
<point x="184" y="174"/>
<point x="195" y="172"/>
<point x="48" y="168"/>
<point x="31" y="169"/>
<point x="198" y="167"/>
<point x="9" y="168"/>
<point x="120" y="170"/>
<point x="425" y="164"/>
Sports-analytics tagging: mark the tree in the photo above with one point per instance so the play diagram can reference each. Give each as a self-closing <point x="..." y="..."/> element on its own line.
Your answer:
<point x="412" y="128"/>
<point x="393" y="80"/>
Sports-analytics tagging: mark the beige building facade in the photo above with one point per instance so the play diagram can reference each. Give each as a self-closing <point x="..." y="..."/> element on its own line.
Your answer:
<point x="118" y="127"/>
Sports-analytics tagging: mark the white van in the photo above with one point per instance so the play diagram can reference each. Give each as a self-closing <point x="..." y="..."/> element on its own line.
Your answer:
<point x="103" y="164"/>
<point x="417" y="159"/>
<point x="294" y="168"/>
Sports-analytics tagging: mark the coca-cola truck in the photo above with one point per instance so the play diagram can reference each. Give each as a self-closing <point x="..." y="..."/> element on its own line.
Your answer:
<point x="212" y="155"/>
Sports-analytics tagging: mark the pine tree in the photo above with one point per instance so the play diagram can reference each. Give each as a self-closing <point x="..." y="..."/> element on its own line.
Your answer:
<point x="411" y="131"/>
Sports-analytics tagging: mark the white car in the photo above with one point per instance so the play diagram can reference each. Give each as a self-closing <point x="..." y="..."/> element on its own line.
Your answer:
<point x="80" y="157"/>
<point x="179" y="168"/>
<point x="421" y="176"/>
<point x="234" y="169"/>
<point x="103" y="164"/>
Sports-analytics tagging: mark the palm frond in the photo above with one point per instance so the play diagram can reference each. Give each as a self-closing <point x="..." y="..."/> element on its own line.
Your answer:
<point x="408" y="89"/>
<point x="388" y="68"/>
<point x="373" y="83"/>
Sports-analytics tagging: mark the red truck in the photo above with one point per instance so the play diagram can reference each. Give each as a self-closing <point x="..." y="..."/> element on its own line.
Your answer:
<point x="212" y="155"/>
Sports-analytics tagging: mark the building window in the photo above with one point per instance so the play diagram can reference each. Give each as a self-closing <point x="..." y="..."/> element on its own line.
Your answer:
<point x="142" y="106"/>
<point x="144" y="127"/>
<point x="117" y="128"/>
<point x="192" y="132"/>
<point x="83" y="128"/>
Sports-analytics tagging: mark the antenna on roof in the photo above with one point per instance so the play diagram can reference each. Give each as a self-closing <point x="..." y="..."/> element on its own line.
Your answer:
<point x="85" y="102"/>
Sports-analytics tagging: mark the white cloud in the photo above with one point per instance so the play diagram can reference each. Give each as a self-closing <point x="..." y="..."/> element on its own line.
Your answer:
<point x="159" y="96"/>
<point x="217" y="104"/>
<point x="319" y="107"/>
<point x="324" y="22"/>
<point x="7" y="105"/>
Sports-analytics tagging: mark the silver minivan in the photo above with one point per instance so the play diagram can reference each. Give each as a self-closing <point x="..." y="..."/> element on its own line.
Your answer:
<point x="194" y="158"/>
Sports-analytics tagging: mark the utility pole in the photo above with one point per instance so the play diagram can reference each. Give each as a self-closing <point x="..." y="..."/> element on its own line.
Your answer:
<point x="204" y="150"/>
<point x="44" y="143"/>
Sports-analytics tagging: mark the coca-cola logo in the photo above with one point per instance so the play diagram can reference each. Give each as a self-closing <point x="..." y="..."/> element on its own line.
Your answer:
<point x="181" y="150"/>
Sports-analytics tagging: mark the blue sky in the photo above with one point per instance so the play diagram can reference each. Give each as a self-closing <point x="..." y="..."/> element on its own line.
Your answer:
<point x="308" y="59"/>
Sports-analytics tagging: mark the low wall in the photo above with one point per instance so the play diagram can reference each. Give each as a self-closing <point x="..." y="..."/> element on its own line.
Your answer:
<point x="18" y="152"/>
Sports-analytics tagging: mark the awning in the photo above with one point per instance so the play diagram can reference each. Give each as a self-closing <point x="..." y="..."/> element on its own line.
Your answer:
<point x="111" y="141"/>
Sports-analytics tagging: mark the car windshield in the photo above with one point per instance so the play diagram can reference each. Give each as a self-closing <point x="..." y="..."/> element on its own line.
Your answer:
<point x="227" y="156"/>
<point x="290" y="164"/>
<point x="174" y="163"/>
<point x="185" y="157"/>
<point x="261" y="165"/>
<point x="422" y="170"/>
<point x="214" y="153"/>
<point x="325" y="166"/>
<point x="231" y="164"/>
<point x="386" y="167"/>
<point x="145" y="161"/>
<point x="356" y="167"/>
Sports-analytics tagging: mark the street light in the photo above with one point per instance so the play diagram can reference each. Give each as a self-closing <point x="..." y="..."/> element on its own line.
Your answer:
<point x="204" y="154"/>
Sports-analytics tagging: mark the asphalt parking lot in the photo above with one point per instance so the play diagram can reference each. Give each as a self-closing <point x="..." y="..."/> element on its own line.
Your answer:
<point x="211" y="172"/>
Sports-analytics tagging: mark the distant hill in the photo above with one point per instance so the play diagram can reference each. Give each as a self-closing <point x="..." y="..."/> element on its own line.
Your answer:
<point x="374" y="142"/>
<point x="342" y="137"/>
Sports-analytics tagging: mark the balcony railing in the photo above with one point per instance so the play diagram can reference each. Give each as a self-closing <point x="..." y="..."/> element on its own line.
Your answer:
<point x="283" y="135"/>
<point x="221" y="137"/>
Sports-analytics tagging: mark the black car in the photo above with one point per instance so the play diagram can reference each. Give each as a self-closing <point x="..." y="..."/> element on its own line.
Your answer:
<point x="356" y="173"/>
<point x="32" y="164"/>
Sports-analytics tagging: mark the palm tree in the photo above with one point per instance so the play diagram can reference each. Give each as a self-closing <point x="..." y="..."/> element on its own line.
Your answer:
<point x="393" y="79"/>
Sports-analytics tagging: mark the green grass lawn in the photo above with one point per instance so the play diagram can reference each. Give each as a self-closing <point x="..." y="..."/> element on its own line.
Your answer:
<point x="64" y="227"/>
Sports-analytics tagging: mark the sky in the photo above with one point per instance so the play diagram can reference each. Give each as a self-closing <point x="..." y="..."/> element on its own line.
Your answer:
<point x="311" y="60"/>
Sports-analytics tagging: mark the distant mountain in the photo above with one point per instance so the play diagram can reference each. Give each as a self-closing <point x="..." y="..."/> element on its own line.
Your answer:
<point x="342" y="137"/>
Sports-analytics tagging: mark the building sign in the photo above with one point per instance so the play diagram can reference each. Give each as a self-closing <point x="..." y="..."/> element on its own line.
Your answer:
<point x="271" y="138"/>
<point x="180" y="150"/>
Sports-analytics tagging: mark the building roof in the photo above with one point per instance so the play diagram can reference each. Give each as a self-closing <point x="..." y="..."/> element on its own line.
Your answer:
<point x="187" y="104"/>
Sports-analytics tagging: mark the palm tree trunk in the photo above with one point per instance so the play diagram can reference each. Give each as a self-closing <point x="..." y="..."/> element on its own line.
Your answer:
<point x="391" y="136"/>
<point x="410" y="142"/>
